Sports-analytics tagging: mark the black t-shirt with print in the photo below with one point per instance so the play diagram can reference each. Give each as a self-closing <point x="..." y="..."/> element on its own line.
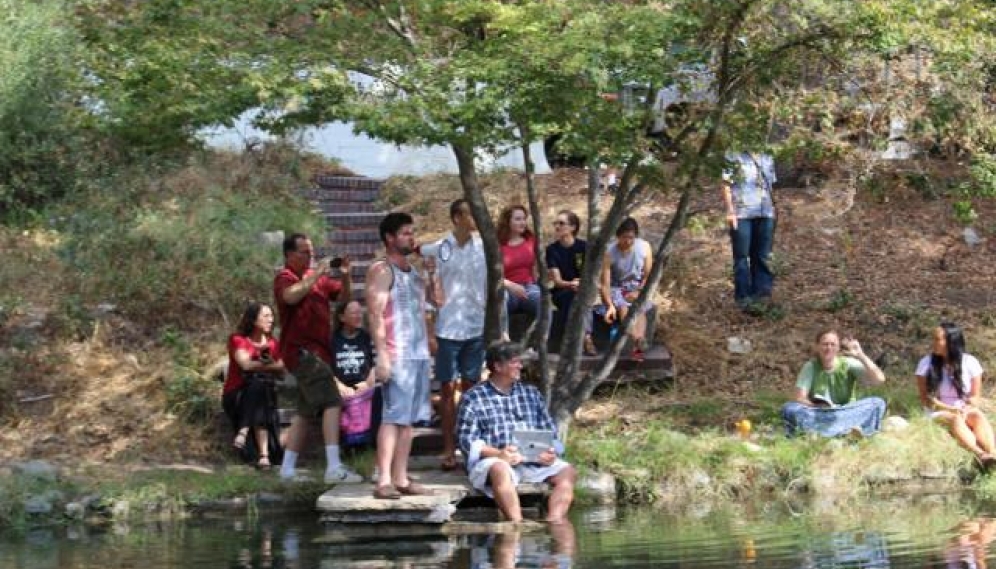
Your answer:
<point x="352" y="358"/>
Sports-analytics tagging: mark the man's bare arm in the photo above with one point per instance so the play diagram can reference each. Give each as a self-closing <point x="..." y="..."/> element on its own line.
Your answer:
<point x="378" y="290"/>
<point x="297" y="291"/>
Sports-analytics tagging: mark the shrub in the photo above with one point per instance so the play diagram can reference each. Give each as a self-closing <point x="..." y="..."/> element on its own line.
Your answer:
<point x="190" y="396"/>
<point x="183" y="247"/>
<point x="40" y="141"/>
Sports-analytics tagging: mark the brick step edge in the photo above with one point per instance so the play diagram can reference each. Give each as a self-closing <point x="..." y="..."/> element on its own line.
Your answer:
<point x="325" y="181"/>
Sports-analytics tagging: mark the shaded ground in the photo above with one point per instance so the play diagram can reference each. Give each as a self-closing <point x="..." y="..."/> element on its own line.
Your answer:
<point x="885" y="271"/>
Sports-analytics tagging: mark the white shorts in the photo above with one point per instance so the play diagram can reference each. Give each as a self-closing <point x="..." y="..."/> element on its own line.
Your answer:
<point x="406" y="395"/>
<point x="523" y="473"/>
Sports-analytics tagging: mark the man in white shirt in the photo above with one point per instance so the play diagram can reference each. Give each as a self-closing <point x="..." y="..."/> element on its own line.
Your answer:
<point x="461" y="293"/>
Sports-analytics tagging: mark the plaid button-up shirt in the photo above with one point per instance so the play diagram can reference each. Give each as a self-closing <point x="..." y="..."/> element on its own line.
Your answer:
<point x="488" y="417"/>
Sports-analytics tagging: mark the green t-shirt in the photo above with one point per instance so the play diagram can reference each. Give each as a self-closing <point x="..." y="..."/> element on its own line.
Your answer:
<point x="837" y="386"/>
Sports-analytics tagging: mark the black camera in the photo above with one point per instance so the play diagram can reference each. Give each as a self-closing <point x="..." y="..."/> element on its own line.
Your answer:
<point x="335" y="263"/>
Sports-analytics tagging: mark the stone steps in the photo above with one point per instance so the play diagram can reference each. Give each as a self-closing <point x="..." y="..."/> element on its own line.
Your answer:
<point x="357" y="220"/>
<point x="349" y="206"/>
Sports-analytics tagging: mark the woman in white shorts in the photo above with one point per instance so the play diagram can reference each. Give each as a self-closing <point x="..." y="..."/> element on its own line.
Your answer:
<point x="950" y="384"/>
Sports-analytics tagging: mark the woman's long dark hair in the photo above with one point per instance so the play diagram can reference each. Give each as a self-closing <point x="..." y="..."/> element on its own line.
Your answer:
<point x="248" y="321"/>
<point x="954" y="339"/>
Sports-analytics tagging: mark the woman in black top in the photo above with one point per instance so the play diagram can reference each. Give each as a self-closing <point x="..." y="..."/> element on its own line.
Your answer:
<point x="352" y="351"/>
<point x="565" y="261"/>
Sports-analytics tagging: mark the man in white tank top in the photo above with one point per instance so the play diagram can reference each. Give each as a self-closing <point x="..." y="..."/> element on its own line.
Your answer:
<point x="395" y="294"/>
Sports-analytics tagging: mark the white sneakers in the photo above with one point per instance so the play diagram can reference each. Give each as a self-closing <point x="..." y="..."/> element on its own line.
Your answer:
<point x="342" y="475"/>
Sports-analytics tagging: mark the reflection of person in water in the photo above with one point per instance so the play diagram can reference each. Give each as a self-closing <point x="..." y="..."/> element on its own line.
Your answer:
<point x="970" y="546"/>
<point x="510" y="550"/>
<point x="848" y="549"/>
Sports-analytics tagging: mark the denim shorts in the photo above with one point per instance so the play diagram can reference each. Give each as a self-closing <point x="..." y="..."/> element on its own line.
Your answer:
<point x="406" y="395"/>
<point x="459" y="359"/>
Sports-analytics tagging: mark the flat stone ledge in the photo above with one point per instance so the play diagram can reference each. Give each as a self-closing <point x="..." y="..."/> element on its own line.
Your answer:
<point x="355" y="504"/>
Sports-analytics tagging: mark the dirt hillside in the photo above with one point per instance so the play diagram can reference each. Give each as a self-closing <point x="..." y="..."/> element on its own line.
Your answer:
<point x="885" y="268"/>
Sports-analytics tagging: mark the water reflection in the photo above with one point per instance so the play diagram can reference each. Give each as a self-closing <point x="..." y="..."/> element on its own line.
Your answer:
<point x="969" y="547"/>
<point x="848" y="549"/>
<point x="511" y="550"/>
<point x="929" y="534"/>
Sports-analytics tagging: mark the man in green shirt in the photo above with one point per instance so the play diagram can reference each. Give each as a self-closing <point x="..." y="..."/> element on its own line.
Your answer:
<point x="826" y="391"/>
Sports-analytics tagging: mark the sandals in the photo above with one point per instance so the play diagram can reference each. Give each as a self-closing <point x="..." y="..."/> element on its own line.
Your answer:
<point x="414" y="489"/>
<point x="388" y="492"/>
<point x="986" y="461"/>
<point x="264" y="462"/>
<point x="240" y="440"/>
<point x="637" y="355"/>
<point x="449" y="463"/>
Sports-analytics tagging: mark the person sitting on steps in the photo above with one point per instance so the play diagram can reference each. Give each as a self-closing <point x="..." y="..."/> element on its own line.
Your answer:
<point x="249" y="396"/>
<point x="487" y="419"/>
<point x="565" y="261"/>
<point x="625" y="270"/>
<point x="353" y="364"/>
<point x="518" y="253"/>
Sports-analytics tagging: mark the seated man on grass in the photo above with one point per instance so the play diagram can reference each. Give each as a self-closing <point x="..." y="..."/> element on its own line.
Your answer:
<point x="826" y="396"/>
<point x="487" y="421"/>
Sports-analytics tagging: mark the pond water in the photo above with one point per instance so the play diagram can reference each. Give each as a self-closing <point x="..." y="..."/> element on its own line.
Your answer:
<point x="939" y="531"/>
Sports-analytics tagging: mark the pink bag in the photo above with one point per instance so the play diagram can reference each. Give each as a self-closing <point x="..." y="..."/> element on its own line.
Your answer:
<point x="354" y="422"/>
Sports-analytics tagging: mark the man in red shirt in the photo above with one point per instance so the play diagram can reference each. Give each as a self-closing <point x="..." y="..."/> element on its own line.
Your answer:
<point x="302" y="296"/>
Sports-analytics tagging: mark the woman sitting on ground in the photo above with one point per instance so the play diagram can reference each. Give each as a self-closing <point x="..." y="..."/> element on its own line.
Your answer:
<point x="353" y="363"/>
<point x="826" y="400"/>
<point x="249" y="395"/>
<point x="625" y="270"/>
<point x="565" y="260"/>
<point x="952" y="403"/>
<point x="518" y="252"/>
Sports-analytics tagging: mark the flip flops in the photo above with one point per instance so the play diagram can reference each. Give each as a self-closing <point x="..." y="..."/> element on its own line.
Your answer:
<point x="414" y="489"/>
<point x="388" y="492"/>
<point x="449" y="463"/>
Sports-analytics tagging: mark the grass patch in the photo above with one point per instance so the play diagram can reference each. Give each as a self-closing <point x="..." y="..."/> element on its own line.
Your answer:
<point x="655" y="463"/>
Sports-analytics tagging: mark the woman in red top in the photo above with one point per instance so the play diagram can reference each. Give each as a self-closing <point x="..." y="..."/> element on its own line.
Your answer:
<point x="518" y="251"/>
<point x="249" y="397"/>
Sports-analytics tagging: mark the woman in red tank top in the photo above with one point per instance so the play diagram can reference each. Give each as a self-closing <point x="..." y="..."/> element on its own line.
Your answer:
<point x="518" y="250"/>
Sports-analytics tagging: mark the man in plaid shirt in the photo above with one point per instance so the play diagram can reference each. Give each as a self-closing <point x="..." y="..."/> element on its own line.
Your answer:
<point x="489" y="415"/>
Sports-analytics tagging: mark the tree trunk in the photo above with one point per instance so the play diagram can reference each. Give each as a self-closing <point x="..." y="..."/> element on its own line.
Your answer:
<point x="564" y="398"/>
<point x="492" y="253"/>
<point x="572" y="391"/>
<point x="539" y="337"/>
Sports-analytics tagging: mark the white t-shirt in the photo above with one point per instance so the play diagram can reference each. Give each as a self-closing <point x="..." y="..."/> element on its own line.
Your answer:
<point x="946" y="393"/>
<point x="463" y="273"/>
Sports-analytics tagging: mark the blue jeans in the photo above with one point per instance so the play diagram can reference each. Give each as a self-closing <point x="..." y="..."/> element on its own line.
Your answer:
<point x="751" y="242"/>
<point x="865" y="414"/>
<point x="515" y="305"/>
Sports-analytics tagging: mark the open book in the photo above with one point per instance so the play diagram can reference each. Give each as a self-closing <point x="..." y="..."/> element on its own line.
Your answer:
<point x="822" y="400"/>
